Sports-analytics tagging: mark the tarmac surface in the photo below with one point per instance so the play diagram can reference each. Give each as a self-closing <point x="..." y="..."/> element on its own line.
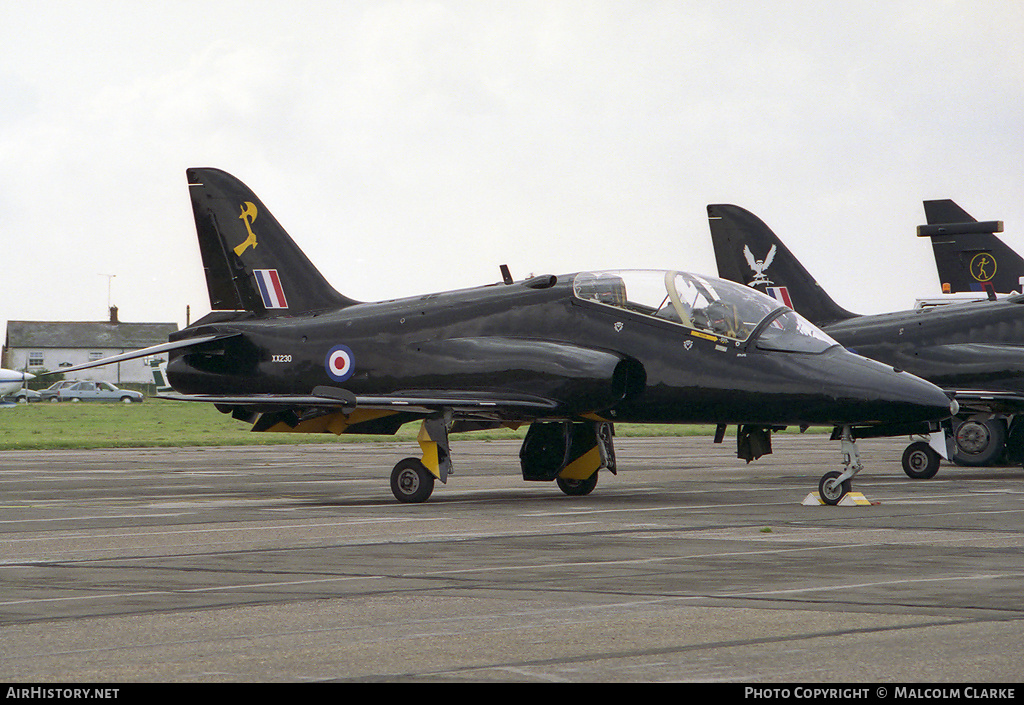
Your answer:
<point x="295" y="564"/>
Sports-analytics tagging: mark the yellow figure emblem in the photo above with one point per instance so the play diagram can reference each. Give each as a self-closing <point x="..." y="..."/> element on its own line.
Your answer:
<point x="983" y="267"/>
<point x="248" y="217"/>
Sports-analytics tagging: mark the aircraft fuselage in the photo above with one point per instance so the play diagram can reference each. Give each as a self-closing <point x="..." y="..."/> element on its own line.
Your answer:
<point x="537" y="340"/>
<point x="976" y="345"/>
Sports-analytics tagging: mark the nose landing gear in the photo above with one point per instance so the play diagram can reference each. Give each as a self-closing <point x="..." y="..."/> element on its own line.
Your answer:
<point x="835" y="485"/>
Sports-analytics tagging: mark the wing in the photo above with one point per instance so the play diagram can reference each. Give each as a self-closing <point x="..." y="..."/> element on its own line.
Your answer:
<point x="338" y="411"/>
<point x="954" y="366"/>
<point x="768" y="258"/>
<point x="335" y="399"/>
<point x="983" y="401"/>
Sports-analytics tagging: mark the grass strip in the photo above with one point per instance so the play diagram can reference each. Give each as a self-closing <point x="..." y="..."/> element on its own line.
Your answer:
<point x="163" y="423"/>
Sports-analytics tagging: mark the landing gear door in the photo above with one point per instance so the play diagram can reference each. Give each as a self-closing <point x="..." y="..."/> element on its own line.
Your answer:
<point x="573" y="451"/>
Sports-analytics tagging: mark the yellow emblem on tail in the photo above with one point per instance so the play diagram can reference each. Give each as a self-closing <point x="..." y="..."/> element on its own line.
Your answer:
<point x="248" y="217"/>
<point x="983" y="267"/>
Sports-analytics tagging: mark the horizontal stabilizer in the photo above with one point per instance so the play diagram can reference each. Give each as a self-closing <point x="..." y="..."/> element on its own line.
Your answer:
<point x="142" y="352"/>
<point x="986" y="227"/>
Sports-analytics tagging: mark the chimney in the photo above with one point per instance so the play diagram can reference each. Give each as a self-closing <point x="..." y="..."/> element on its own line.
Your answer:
<point x="113" y="314"/>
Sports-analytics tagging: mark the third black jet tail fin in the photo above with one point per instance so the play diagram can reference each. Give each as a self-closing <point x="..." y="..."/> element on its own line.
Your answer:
<point x="251" y="263"/>
<point x="748" y="252"/>
<point x="946" y="211"/>
<point x="968" y="255"/>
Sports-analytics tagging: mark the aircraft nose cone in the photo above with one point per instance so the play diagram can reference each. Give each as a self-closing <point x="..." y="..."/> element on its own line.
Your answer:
<point x="894" y="396"/>
<point x="923" y="399"/>
<point x="853" y="390"/>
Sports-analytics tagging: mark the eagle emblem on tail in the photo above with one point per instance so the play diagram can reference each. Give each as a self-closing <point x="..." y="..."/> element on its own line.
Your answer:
<point x="757" y="266"/>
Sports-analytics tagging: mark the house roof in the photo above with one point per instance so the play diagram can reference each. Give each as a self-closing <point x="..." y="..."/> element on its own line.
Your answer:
<point x="86" y="334"/>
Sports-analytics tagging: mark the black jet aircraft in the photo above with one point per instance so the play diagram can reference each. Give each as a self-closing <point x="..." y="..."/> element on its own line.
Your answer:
<point x="568" y="355"/>
<point x="974" y="350"/>
<point x="968" y="255"/>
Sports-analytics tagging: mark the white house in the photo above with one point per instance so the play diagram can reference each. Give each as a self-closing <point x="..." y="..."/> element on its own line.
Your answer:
<point x="51" y="345"/>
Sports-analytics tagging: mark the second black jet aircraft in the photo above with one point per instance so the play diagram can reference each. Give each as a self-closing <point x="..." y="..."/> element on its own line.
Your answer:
<point x="568" y="355"/>
<point x="973" y="350"/>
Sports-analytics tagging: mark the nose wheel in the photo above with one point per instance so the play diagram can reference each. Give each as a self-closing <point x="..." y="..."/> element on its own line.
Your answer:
<point x="835" y="485"/>
<point x="831" y="489"/>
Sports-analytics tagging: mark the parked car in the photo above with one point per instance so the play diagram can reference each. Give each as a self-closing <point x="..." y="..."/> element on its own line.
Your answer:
<point x="50" y="393"/>
<point x="97" y="391"/>
<point x="23" y="396"/>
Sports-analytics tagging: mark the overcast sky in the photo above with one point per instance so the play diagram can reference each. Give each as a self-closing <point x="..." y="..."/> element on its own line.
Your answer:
<point x="412" y="146"/>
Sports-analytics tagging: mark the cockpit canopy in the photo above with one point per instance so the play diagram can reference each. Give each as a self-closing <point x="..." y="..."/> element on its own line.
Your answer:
<point x="714" y="306"/>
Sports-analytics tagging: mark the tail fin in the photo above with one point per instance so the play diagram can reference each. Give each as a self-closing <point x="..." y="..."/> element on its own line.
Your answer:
<point x="748" y="252"/>
<point x="946" y="211"/>
<point x="968" y="255"/>
<point x="251" y="262"/>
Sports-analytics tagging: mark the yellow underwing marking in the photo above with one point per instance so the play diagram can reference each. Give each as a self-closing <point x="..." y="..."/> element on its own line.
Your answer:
<point x="336" y="423"/>
<point x="340" y="422"/>
<point x="584" y="466"/>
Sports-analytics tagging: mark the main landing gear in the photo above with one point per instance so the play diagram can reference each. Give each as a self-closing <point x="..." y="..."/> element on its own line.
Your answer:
<point x="835" y="485"/>
<point x="411" y="481"/>
<point x="570" y="453"/>
<point x="979" y="440"/>
<point x="921" y="458"/>
<point x="577" y="488"/>
<point x="920" y="461"/>
<point x="973" y="441"/>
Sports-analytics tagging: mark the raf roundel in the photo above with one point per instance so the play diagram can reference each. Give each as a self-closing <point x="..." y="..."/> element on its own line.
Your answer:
<point x="340" y="363"/>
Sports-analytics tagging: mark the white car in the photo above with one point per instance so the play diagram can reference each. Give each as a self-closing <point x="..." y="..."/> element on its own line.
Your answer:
<point x="50" y="393"/>
<point x="97" y="391"/>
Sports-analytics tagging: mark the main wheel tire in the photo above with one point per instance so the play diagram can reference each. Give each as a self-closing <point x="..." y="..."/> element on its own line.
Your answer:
<point x="920" y="461"/>
<point x="830" y="491"/>
<point x="577" y="488"/>
<point x="979" y="442"/>
<point x="411" y="482"/>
